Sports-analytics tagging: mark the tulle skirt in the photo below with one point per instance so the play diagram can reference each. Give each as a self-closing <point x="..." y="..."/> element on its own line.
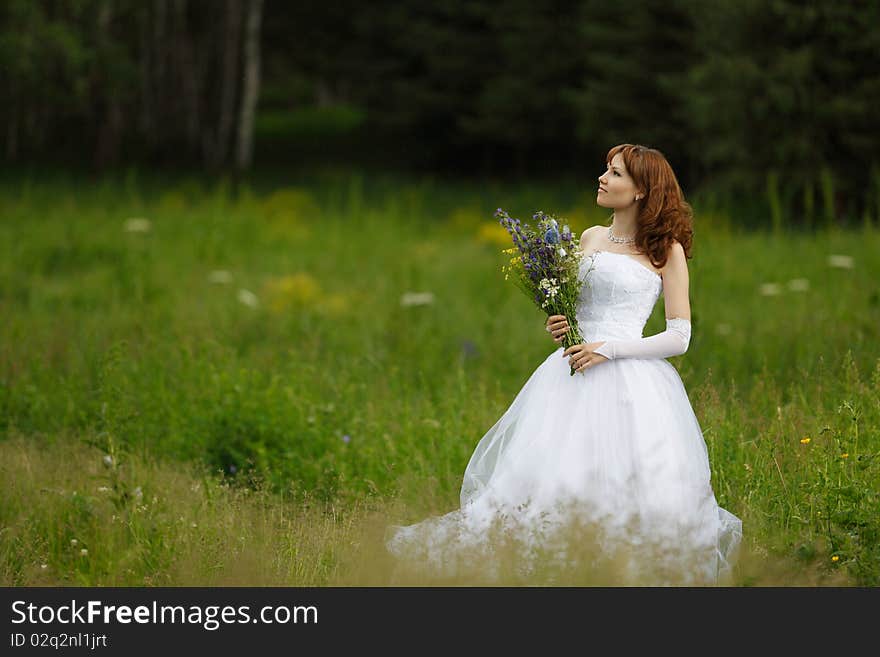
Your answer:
<point x="604" y="473"/>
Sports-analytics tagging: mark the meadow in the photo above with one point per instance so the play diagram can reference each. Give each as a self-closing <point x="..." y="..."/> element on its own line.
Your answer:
<point x="213" y="384"/>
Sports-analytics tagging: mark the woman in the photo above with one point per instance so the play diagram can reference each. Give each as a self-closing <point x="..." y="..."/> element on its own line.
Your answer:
<point x="606" y="471"/>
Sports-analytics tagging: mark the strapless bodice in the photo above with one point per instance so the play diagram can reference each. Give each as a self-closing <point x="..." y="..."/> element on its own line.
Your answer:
<point x="617" y="296"/>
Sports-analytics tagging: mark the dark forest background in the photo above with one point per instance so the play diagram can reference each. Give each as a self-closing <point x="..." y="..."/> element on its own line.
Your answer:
<point x="744" y="97"/>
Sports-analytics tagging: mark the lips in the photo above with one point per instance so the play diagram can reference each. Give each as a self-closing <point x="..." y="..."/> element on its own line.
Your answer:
<point x="603" y="190"/>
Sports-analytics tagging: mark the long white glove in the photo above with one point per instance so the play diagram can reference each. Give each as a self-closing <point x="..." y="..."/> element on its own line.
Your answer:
<point x="673" y="341"/>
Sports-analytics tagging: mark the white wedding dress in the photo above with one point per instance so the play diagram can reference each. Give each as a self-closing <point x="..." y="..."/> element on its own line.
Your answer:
<point x="604" y="470"/>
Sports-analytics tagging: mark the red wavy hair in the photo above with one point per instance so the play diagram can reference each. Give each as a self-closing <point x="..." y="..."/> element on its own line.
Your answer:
<point x="663" y="215"/>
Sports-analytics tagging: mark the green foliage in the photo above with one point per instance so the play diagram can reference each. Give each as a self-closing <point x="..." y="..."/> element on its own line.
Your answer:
<point x="313" y="133"/>
<point x="753" y="102"/>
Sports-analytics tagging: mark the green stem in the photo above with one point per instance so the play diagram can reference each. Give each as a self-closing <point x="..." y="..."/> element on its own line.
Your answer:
<point x="571" y="338"/>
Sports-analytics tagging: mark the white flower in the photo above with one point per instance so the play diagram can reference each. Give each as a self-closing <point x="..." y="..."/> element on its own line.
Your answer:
<point x="562" y="252"/>
<point x="841" y="261"/>
<point x="138" y="494"/>
<point x="108" y="460"/>
<point x="137" y="225"/>
<point x="248" y="298"/>
<point x="417" y="299"/>
<point x="799" y="285"/>
<point x="220" y="276"/>
<point x="73" y="542"/>
<point x="770" y="289"/>
<point x="84" y="552"/>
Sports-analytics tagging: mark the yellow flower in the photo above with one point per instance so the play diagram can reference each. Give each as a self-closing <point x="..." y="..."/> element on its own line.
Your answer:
<point x="844" y="455"/>
<point x="835" y="558"/>
<point x="299" y="289"/>
<point x="805" y="440"/>
<point x="493" y="234"/>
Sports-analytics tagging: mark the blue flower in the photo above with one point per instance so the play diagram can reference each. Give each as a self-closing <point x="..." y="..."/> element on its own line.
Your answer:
<point x="469" y="349"/>
<point x="552" y="236"/>
<point x="346" y="439"/>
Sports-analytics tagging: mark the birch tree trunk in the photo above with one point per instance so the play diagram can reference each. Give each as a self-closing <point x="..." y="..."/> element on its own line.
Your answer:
<point x="251" y="90"/>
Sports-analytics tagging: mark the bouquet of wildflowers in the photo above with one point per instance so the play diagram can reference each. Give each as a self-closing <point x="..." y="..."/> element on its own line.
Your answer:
<point x="545" y="265"/>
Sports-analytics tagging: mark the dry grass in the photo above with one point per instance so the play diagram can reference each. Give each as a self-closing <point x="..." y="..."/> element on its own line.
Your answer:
<point x="189" y="528"/>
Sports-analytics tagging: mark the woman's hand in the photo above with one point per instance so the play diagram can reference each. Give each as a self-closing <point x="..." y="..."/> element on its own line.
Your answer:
<point x="582" y="356"/>
<point x="557" y="326"/>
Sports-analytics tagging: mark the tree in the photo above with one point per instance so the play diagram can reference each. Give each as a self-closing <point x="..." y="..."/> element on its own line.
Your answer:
<point x="75" y="78"/>
<point x="251" y="85"/>
<point x="787" y="91"/>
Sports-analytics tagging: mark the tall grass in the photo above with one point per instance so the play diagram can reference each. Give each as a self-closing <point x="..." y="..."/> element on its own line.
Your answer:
<point x="338" y="346"/>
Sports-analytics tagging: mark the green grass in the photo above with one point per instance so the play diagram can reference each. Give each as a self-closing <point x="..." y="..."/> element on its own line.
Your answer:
<point x="125" y="341"/>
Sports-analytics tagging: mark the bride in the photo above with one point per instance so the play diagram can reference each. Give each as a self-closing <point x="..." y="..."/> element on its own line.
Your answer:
<point x="602" y="477"/>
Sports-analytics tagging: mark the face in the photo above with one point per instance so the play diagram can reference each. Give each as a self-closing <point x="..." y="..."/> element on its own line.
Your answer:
<point x="616" y="189"/>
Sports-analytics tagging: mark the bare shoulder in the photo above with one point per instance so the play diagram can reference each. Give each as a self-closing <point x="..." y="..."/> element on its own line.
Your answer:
<point x="589" y="235"/>
<point x="676" y="260"/>
<point x="676" y="250"/>
<point x="594" y="229"/>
